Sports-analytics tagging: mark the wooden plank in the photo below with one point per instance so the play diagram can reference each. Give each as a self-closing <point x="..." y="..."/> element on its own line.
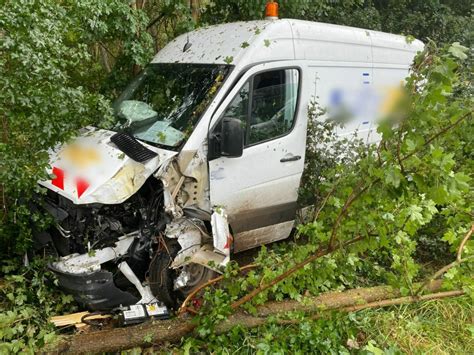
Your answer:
<point x="75" y="319"/>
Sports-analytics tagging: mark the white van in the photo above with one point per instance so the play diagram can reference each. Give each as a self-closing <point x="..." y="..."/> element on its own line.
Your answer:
<point x="207" y="155"/>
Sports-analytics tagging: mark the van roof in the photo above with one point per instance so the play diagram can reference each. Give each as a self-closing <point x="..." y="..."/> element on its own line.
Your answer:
<point x="247" y="43"/>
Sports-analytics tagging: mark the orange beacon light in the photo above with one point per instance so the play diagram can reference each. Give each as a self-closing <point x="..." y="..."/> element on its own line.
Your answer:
<point x="271" y="11"/>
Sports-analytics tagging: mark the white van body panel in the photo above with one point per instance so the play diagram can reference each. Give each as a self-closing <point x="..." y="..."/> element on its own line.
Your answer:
<point x="326" y="42"/>
<point x="333" y="61"/>
<point x="258" y="189"/>
<point x="240" y="44"/>
<point x="107" y="175"/>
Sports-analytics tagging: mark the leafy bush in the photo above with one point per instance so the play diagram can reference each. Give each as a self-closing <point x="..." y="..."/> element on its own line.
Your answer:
<point x="27" y="301"/>
<point x="49" y="88"/>
<point x="441" y="21"/>
<point x="325" y="335"/>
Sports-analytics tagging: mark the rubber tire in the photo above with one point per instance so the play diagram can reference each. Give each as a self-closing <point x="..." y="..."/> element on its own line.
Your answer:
<point x="207" y="274"/>
<point x="161" y="280"/>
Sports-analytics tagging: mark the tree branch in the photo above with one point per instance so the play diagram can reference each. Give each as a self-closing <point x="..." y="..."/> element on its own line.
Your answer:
<point x="459" y="260"/>
<point x="289" y="272"/>
<point x="440" y="133"/>
<point x="326" y="198"/>
<point x="155" y="20"/>
<point x="352" y="197"/>
<point x="184" y="306"/>
<point x="172" y="331"/>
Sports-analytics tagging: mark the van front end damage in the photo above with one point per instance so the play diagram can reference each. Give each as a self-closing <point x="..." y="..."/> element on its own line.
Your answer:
<point x="157" y="241"/>
<point x="82" y="276"/>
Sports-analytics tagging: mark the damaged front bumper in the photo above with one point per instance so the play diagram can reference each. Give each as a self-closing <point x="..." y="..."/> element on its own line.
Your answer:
<point x="95" y="291"/>
<point x="96" y="288"/>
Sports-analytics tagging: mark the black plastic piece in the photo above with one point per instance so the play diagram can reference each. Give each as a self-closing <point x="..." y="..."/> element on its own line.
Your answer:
<point x="232" y="138"/>
<point x="58" y="213"/>
<point x="95" y="291"/>
<point x="132" y="147"/>
<point x="292" y="158"/>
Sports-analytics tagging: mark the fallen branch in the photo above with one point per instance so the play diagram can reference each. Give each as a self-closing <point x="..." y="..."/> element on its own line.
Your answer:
<point x="248" y="321"/>
<point x="184" y="306"/>
<point x="438" y="134"/>
<point x="459" y="260"/>
<point x="404" y="300"/>
<point x="169" y="331"/>
<point x="289" y="272"/>
<point x="320" y="253"/>
<point x="359" y="191"/>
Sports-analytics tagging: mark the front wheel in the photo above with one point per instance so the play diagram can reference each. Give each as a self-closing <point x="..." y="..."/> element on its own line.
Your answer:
<point x="172" y="286"/>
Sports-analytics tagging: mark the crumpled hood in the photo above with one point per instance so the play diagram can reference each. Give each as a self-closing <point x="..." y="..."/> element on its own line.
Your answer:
<point x="91" y="169"/>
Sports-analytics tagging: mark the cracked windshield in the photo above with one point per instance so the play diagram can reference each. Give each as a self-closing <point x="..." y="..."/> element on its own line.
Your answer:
<point x="164" y="103"/>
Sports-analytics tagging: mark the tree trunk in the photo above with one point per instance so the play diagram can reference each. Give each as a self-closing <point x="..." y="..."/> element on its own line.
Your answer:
<point x="195" y="10"/>
<point x="154" y="333"/>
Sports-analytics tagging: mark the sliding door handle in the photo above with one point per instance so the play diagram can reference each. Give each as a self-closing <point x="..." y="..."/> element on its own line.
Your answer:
<point x="290" y="158"/>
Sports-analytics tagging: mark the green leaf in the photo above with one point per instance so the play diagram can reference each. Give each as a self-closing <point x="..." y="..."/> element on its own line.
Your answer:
<point x="409" y="39"/>
<point x="393" y="176"/>
<point x="414" y="212"/>
<point x="385" y="128"/>
<point x="373" y="349"/>
<point x="458" y="51"/>
<point x="450" y="237"/>
<point x="439" y="195"/>
<point x="462" y="181"/>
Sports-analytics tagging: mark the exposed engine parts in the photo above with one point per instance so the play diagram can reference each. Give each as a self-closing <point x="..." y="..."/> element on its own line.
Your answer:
<point x="80" y="228"/>
<point x="134" y="252"/>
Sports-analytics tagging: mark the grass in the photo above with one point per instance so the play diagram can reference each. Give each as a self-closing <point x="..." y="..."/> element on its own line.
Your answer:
<point x="433" y="327"/>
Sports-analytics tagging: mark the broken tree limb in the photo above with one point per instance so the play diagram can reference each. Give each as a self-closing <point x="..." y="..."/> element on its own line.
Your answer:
<point x="76" y="319"/>
<point x="249" y="321"/>
<point x="463" y="243"/>
<point x="336" y="300"/>
<point x="289" y="272"/>
<point x="459" y="260"/>
<point x="112" y="340"/>
<point x="405" y="300"/>
<point x="184" y="306"/>
<point x="320" y="253"/>
<point x="169" y="331"/>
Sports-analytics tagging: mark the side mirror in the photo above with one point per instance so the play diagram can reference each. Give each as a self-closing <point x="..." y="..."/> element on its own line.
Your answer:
<point x="232" y="138"/>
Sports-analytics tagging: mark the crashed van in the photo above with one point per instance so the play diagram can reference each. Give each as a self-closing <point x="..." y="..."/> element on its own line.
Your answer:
<point x="207" y="154"/>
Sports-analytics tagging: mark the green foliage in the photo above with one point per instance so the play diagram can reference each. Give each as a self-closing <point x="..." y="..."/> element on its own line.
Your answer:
<point x="430" y="327"/>
<point x="49" y="88"/>
<point x="27" y="301"/>
<point x="324" y="153"/>
<point x="325" y="335"/>
<point x="442" y="21"/>
<point x="436" y="327"/>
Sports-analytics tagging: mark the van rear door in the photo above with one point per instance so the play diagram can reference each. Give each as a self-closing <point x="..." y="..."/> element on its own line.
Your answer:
<point x="259" y="190"/>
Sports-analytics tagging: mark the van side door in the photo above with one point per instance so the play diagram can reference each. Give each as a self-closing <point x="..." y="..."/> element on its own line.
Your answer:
<point x="259" y="189"/>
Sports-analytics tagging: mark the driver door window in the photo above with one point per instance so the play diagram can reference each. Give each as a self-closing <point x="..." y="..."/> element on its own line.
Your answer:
<point x="266" y="105"/>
